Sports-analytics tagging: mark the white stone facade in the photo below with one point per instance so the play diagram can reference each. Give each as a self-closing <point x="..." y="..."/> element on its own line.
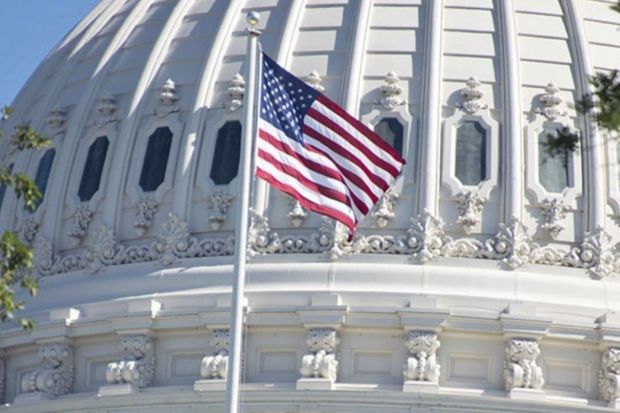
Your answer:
<point x="484" y="287"/>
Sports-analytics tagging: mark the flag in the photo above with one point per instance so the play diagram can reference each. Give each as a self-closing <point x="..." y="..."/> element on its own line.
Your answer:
<point x="313" y="150"/>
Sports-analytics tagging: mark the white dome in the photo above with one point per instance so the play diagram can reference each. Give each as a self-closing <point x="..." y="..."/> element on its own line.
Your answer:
<point x="485" y="244"/>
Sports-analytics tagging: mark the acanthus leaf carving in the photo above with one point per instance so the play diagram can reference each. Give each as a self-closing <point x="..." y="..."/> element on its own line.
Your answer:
<point x="426" y="237"/>
<point x="554" y="213"/>
<point x="146" y="208"/>
<point x="314" y="80"/>
<point x="137" y="365"/>
<point x="321" y="362"/>
<point x="173" y="240"/>
<point x="261" y="240"/>
<point x="511" y="245"/>
<point x="472" y="97"/>
<point x="43" y="255"/>
<point x="333" y="239"/>
<point x="216" y="366"/>
<point x="596" y="254"/>
<point x="168" y="99"/>
<point x="219" y="203"/>
<point x="609" y="375"/>
<point x="551" y="102"/>
<point x="422" y="361"/>
<point x="520" y="368"/>
<point x="236" y="91"/>
<point x="55" y="375"/>
<point x="469" y="205"/>
<point x="102" y="249"/>
<point x="391" y="91"/>
<point x="383" y="212"/>
<point x="82" y="218"/>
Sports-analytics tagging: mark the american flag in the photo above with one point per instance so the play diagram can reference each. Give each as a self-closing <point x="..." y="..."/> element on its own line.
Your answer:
<point x="311" y="149"/>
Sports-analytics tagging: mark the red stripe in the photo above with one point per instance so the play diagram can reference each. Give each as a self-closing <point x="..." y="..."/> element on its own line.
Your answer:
<point x="348" y="155"/>
<point x="376" y="139"/>
<point x="339" y="130"/>
<point x="321" y="169"/>
<point x="311" y="206"/>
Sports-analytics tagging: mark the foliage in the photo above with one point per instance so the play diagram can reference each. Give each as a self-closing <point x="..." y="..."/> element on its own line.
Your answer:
<point x="16" y="259"/>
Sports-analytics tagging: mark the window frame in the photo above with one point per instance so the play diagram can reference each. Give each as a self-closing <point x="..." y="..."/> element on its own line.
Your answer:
<point x="214" y="146"/>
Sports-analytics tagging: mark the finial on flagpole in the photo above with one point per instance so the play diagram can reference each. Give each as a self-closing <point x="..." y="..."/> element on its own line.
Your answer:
<point x="253" y="18"/>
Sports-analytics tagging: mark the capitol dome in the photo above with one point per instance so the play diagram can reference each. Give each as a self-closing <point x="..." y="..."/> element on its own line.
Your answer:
<point x="485" y="280"/>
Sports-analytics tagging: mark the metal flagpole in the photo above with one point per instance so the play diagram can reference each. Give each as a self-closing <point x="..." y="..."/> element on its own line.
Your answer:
<point x="234" y="359"/>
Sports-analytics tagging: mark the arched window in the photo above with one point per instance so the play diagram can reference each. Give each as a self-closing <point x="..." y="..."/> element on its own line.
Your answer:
<point x="552" y="167"/>
<point x="91" y="175"/>
<point x="391" y="130"/>
<point x="43" y="173"/>
<point x="3" y="187"/>
<point x="225" y="163"/>
<point x="471" y="153"/>
<point x="156" y="159"/>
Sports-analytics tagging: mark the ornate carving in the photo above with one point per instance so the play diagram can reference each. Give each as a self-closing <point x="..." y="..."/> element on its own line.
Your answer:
<point x="137" y="364"/>
<point x="391" y="91"/>
<point x="102" y="249"/>
<point x="216" y="366"/>
<point x="55" y="376"/>
<point x="609" y="375"/>
<point x="314" y="80"/>
<point x="469" y="205"/>
<point x="28" y="229"/>
<point x="107" y="108"/>
<point x="219" y="203"/>
<point x="43" y="255"/>
<point x="82" y="218"/>
<point x="168" y="99"/>
<point x="236" y="91"/>
<point x="297" y="214"/>
<point x="511" y="245"/>
<point x="146" y="209"/>
<point x="422" y="364"/>
<point x="56" y="122"/>
<point x="260" y="238"/>
<point x="551" y="102"/>
<point x="596" y="254"/>
<point x="321" y="362"/>
<point x="472" y="97"/>
<point x="426" y="237"/>
<point x="520" y="368"/>
<point x="173" y="240"/>
<point x="384" y="210"/>
<point x="334" y="240"/>
<point x="554" y="212"/>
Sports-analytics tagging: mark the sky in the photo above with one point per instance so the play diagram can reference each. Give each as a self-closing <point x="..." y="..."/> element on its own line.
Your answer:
<point x="29" y="29"/>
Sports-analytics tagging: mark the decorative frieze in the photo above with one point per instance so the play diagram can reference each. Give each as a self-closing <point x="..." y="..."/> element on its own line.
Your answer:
<point x="426" y="237"/>
<point x="219" y="203"/>
<point x="422" y="362"/>
<point x="469" y="205"/>
<point x="554" y="213"/>
<point x="137" y="365"/>
<point x="520" y="368"/>
<point x="383" y="212"/>
<point x="260" y="238"/>
<point x="215" y="367"/>
<point x="82" y="218"/>
<point x="472" y="97"/>
<point x="54" y="377"/>
<point x="168" y="99"/>
<point x="173" y="241"/>
<point x="314" y="80"/>
<point x="321" y="362"/>
<point x="551" y="102"/>
<point x="511" y="245"/>
<point x="596" y="254"/>
<point x="391" y="91"/>
<point x="609" y="375"/>
<point x="236" y="91"/>
<point x="146" y="208"/>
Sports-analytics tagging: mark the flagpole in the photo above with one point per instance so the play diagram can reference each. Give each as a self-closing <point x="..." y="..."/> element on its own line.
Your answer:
<point x="234" y="359"/>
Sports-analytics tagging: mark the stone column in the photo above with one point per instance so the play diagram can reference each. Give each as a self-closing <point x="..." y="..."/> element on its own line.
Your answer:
<point x="319" y="369"/>
<point x="134" y="370"/>
<point x="53" y="378"/>
<point x="214" y="368"/>
<point x="421" y="371"/>
<point x="523" y="378"/>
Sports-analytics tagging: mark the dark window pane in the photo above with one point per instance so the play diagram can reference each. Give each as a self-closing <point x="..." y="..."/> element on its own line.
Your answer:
<point x="91" y="175"/>
<point x="43" y="172"/>
<point x="156" y="159"/>
<point x="552" y="169"/>
<point x="391" y="131"/>
<point x="3" y="187"/>
<point x="471" y="153"/>
<point x="226" y="156"/>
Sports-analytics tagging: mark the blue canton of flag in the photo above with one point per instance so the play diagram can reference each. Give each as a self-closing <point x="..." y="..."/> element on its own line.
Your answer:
<point x="311" y="149"/>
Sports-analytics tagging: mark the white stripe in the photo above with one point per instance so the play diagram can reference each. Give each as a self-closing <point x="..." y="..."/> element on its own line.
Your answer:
<point x="330" y="134"/>
<point x="359" y="193"/>
<point x="312" y="196"/>
<point x="377" y="150"/>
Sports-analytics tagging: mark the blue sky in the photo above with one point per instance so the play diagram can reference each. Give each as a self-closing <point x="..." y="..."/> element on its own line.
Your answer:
<point x="29" y="29"/>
